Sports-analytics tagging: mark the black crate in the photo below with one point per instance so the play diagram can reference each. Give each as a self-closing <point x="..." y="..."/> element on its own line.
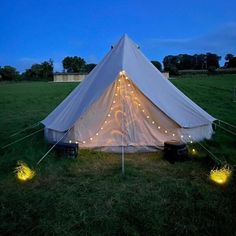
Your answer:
<point x="175" y="151"/>
<point x="67" y="149"/>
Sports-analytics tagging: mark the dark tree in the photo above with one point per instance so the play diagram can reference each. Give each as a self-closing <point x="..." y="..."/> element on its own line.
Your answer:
<point x="186" y="62"/>
<point x="9" y="73"/>
<point x="229" y="56"/>
<point x="40" y="71"/>
<point x="200" y="61"/>
<point x="232" y="63"/>
<point x="212" y="60"/>
<point x="89" y="67"/>
<point x="171" y="64"/>
<point x="157" y="64"/>
<point x="73" y="64"/>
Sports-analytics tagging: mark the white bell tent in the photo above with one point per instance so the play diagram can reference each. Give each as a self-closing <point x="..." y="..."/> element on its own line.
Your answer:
<point x="126" y="102"/>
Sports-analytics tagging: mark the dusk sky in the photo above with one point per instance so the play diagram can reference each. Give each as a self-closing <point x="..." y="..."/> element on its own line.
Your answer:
<point x="35" y="30"/>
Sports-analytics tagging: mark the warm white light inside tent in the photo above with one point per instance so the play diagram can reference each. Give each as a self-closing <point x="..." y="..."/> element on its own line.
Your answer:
<point x="126" y="77"/>
<point x="139" y="104"/>
<point x="129" y="85"/>
<point x="143" y="110"/>
<point x="114" y="102"/>
<point x="116" y="94"/>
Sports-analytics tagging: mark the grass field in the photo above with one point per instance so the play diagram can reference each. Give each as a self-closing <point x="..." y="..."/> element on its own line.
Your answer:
<point x="89" y="196"/>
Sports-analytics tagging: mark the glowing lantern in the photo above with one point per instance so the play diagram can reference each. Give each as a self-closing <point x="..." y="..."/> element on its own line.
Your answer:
<point x="23" y="172"/>
<point x="220" y="176"/>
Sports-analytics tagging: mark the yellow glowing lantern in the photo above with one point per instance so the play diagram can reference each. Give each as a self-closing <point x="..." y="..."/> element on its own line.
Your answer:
<point x="193" y="151"/>
<point x="220" y="176"/>
<point x="23" y="172"/>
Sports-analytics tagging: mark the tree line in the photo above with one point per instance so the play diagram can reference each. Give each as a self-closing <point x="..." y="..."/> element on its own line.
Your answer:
<point x="208" y="61"/>
<point x="75" y="64"/>
<point x="44" y="70"/>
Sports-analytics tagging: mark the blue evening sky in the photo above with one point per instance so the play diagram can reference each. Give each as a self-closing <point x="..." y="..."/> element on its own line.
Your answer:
<point x="35" y="30"/>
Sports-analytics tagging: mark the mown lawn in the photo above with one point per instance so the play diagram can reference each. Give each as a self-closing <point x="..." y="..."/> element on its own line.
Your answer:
<point x="89" y="196"/>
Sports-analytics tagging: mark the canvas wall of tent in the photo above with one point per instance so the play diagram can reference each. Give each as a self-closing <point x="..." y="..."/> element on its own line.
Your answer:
<point x="126" y="102"/>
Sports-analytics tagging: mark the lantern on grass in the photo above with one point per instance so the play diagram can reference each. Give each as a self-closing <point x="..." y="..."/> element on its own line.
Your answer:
<point x="221" y="176"/>
<point x="23" y="172"/>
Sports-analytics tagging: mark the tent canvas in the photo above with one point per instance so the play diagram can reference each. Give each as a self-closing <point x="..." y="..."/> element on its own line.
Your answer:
<point x="125" y="101"/>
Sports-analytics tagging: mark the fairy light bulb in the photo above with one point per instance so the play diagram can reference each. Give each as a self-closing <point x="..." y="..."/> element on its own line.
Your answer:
<point x="97" y="134"/>
<point x="148" y="117"/>
<point x="173" y="135"/>
<point x="158" y="127"/>
<point x="139" y="104"/>
<point x="70" y="141"/>
<point x="114" y="101"/>
<point x="191" y="141"/>
<point x="109" y="115"/>
<point x="153" y="122"/>
<point x="91" y="139"/>
<point x="101" y="128"/>
<point x="166" y="131"/>
<point x="143" y="110"/>
<point x="181" y="136"/>
<point x="105" y="121"/>
<point x="189" y="136"/>
<point x="116" y="94"/>
<point x="83" y="142"/>
<point x="126" y="77"/>
<point x="76" y="142"/>
<point x="128" y="85"/>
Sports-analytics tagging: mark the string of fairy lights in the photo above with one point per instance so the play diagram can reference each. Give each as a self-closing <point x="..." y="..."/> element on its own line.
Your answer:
<point x="124" y="80"/>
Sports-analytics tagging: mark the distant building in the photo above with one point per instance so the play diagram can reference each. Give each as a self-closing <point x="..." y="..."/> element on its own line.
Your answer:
<point x="166" y="75"/>
<point x="68" y="77"/>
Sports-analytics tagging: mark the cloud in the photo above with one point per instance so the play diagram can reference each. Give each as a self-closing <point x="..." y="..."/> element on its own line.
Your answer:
<point x="222" y="41"/>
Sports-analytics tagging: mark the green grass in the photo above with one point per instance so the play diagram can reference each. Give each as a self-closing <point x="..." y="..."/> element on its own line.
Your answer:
<point x="89" y="196"/>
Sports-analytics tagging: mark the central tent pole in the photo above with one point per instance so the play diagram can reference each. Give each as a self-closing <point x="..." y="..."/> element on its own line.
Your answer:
<point x="122" y="137"/>
<point x="123" y="161"/>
